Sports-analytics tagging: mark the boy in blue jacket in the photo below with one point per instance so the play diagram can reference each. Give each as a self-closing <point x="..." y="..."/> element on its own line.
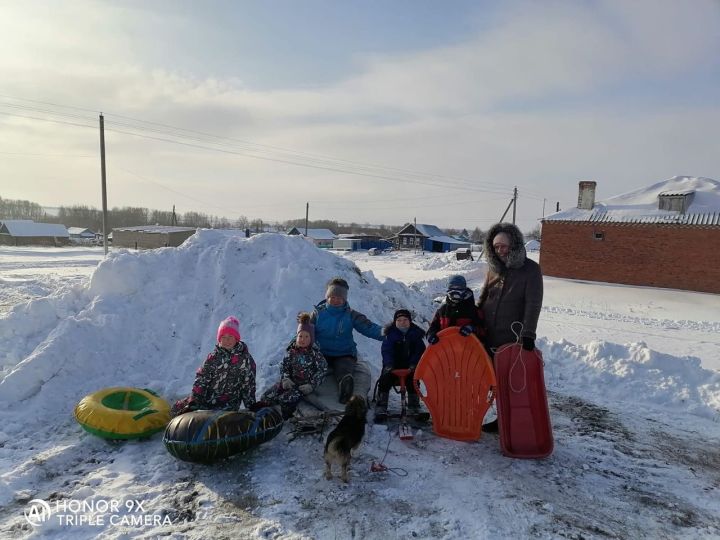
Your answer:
<point x="401" y="349"/>
<point x="334" y="322"/>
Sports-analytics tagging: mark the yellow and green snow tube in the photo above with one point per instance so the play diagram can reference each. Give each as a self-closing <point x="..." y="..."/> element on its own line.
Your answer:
<point x="123" y="413"/>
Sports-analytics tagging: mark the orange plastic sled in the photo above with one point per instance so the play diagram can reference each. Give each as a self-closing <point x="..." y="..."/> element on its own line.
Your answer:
<point x="523" y="415"/>
<point x="456" y="381"/>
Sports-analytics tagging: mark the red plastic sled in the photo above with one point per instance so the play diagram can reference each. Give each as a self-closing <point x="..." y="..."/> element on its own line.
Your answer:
<point x="522" y="407"/>
<point x="456" y="381"/>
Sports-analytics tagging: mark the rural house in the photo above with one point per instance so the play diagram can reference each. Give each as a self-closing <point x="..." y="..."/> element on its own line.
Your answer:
<point x="322" y="238"/>
<point x="664" y="235"/>
<point x="427" y="238"/>
<point x="25" y="232"/>
<point x="151" y="236"/>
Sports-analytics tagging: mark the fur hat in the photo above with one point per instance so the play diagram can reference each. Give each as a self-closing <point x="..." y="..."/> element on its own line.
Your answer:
<point x="229" y="327"/>
<point x="402" y="313"/>
<point x="304" y="324"/>
<point x="457" y="282"/>
<point x="337" y="287"/>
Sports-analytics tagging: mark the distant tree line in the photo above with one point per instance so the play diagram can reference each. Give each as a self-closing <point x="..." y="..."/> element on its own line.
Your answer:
<point x="129" y="216"/>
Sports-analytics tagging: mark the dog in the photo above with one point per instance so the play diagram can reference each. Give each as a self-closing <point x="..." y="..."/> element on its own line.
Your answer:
<point x="346" y="436"/>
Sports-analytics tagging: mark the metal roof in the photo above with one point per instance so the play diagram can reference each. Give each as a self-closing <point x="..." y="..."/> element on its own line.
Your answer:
<point x="26" y="228"/>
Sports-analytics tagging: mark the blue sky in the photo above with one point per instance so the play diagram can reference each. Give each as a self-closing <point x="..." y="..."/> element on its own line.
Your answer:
<point x="375" y="112"/>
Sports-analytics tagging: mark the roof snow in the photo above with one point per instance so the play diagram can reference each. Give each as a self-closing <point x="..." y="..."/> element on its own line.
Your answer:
<point x="25" y="228"/>
<point x="641" y="205"/>
<point x="317" y="234"/>
<point x="156" y="228"/>
<point x="434" y="234"/>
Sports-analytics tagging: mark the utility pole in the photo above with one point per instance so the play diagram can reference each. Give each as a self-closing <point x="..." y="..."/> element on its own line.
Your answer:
<point x="104" y="189"/>
<point x="557" y="206"/>
<point x="173" y="220"/>
<point x="307" y="213"/>
<point x="514" y="203"/>
<point x="416" y="234"/>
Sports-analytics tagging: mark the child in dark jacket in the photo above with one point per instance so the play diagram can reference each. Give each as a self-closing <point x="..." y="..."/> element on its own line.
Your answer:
<point x="458" y="309"/>
<point x="227" y="377"/>
<point x="302" y="370"/>
<point x="401" y="349"/>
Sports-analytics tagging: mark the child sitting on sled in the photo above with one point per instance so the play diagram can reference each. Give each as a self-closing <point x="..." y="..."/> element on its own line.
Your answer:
<point x="401" y="349"/>
<point x="227" y="377"/>
<point x="458" y="309"/>
<point x="302" y="370"/>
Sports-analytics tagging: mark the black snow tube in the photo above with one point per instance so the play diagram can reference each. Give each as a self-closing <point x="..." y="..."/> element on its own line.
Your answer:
<point x="208" y="436"/>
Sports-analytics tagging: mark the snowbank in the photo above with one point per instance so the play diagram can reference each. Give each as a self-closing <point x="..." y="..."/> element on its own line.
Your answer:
<point x="148" y="318"/>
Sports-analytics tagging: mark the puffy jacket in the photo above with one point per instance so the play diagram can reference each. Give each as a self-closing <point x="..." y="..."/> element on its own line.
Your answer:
<point x="513" y="291"/>
<point x="402" y="350"/>
<point x="225" y="380"/>
<point x="303" y="366"/>
<point x="334" y="326"/>
<point x="461" y="314"/>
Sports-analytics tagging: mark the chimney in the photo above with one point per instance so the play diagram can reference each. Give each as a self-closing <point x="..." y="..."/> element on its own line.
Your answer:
<point x="586" y="194"/>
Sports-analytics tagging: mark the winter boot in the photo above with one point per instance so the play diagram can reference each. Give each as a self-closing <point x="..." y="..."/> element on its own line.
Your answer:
<point x="413" y="404"/>
<point x="345" y="388"/>
<point x="381" y="406"/>
<point x="490" y="427"/>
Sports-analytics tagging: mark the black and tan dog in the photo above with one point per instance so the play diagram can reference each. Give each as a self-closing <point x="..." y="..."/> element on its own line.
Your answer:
<point x="346" y="437"/>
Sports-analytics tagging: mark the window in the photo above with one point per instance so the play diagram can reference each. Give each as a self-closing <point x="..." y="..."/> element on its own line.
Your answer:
<point x="599" y="235"/>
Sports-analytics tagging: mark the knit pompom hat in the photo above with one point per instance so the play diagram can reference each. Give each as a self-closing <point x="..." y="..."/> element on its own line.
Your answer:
<point x="229" y="327"/>
<point x="304" y="324"/>
<point x="402" y="313"/>
<point x="337" y="287"/>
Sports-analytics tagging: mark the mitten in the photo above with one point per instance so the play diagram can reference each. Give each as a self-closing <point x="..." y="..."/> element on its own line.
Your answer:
<point x="466" y="330"/>
<point x="386" y="369"/>
<point x="528" y="344"/>
<point x="287" y="384"/>
<point x="305" y="388"/>
<point x="433" y="339"/>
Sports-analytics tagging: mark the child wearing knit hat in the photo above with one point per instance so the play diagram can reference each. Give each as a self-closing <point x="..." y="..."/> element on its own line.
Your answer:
<point x="227" y="377"/>
<point x="334" y="323"/>
<point x="458" y="309"/>
<point x="401" y="349"/>
<point x="302" y="370"/>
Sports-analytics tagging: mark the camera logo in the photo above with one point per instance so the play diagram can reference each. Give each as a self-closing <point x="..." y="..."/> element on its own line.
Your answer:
<point x="37" y="513"/>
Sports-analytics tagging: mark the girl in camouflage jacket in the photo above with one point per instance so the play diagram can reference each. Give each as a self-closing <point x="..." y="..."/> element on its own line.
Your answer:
<point x="302" y="370"/>
<point x="227" y="377"/>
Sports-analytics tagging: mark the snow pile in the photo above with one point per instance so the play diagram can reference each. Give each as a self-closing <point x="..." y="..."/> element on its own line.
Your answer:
<point x="612" y="374"/>
<point x="148" y="318"/>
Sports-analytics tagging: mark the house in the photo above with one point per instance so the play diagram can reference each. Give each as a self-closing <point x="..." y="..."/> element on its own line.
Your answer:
<point x="80" y="235"/>
<point x="151" y="236"/>
<point x="322" y="238"/>
<point x="663" y="235"/>
<point x="428" y="238"/>
<point x="356" y="242"/>
<point x="25" y="232"/>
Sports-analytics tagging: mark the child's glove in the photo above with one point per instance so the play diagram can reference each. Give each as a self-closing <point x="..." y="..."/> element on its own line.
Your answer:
<point x="287" y="384"/>
<point x="466" y="330"/>
<point x="528" y="344"/>
<point x="305" y="389"/>
<point x="433" y="339"/>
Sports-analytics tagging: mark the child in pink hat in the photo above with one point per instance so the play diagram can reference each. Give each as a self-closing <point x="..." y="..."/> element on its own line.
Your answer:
<point x="227" y="377"/>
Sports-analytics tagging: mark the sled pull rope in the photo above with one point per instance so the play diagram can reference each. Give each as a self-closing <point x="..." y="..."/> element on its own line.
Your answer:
<point x="518" y="359"/>
<point x="381" y="467"/>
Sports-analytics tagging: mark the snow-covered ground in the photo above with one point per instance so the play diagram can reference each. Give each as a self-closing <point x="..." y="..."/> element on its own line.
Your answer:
<point x="633" y="376"/>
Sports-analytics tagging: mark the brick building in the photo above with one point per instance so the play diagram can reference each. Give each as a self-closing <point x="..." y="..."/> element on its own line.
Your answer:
<point x="665" y="235"/>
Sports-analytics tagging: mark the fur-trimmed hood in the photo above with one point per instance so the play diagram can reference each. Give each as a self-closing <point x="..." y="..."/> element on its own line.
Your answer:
<point x="516" y="257"/>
